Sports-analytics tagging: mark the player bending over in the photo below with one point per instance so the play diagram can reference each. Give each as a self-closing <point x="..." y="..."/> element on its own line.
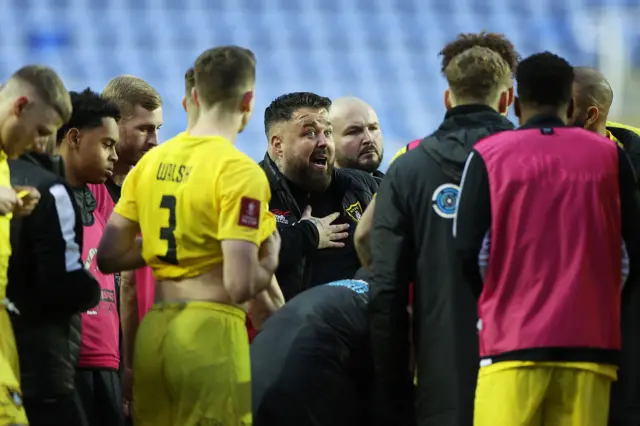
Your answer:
<point x="202" y="207"/>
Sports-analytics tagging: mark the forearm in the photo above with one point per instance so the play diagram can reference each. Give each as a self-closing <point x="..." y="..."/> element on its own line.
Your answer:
<point x="362" y="237"/>
<point x="263" y="276"/>
<point x="266" y="303"/>
<point x="128" y="315"/>
<point x="127" y="260"/>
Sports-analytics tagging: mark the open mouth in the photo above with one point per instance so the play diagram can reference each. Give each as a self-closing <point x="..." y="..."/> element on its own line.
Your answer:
<point x="319" y="161"/>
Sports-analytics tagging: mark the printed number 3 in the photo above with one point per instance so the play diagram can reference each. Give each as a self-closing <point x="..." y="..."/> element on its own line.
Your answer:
<point x="171" y="257"/>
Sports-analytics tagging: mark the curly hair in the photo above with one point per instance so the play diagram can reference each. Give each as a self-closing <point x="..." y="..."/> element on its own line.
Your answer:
<point x="477" y="74"/>
<point x="89" y="108"/>
<point x="544" y="79"/>
<point x="493" y="41"/>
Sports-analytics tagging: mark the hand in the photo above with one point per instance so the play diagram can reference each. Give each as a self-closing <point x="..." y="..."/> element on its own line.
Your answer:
<point x="28" y="202"/>
<point x="9" y="200"/>
<point x="329" y="235"/>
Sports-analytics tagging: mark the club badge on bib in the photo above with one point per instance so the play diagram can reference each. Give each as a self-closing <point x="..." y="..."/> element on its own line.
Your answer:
<point x="249" y="213"/>
<point x="355" y="211"/>
<point x="445" y="200"/>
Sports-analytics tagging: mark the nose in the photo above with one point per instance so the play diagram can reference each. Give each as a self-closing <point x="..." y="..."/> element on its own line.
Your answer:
<point x="113" y="155"/>
<point x="152" y="138"/>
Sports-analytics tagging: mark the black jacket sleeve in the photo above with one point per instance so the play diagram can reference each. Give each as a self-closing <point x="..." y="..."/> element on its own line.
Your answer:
<point x="56" y="234"/>
<point x="391" y="266"/>
<point x="297" y="242"/>
<point x="630" y="214"/>
<point x="473" y="219"/>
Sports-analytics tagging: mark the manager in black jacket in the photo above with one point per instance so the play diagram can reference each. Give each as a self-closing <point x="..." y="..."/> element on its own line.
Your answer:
<point x="316" y="205"/>
<point x="412" y="242"/>
<point x="50" y="287"/>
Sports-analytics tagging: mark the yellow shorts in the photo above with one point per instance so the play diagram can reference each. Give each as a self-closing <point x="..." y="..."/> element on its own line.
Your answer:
<point x="11" y="409"/>
<point x="191" y="366"/>
<point x="536" y="394"/>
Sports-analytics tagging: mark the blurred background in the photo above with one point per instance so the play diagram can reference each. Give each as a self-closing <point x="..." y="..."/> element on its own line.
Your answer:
<point x="384" y="51"/>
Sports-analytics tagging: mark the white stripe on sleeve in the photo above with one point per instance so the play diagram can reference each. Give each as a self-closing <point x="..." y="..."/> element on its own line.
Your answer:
<point x="67" y="222"/>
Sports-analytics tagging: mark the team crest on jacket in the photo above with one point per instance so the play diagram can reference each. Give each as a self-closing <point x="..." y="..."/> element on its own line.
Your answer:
<point x="445" y="200"/>
<point x="355" y="211"/>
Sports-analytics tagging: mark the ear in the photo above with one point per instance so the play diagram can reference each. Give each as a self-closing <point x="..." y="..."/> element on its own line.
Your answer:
<point x="511" y="97"/>
<point x="184" y="103"/>
<point x="245" y="105"/>
<point x="593" y="113"/>
<point x="194" y="95"/>
<point x="570" y="108"/>
<point x="73" y="138"/>
<point x="276" y="146"/>
<point x="19" y="105"/>
<point x="503" y="103"/>
<point x="516" y="107"/>
<point x="448" y="104"/>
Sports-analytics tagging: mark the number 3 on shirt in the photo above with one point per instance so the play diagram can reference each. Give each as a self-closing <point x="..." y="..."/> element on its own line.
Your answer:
<point x="171" y="257"/>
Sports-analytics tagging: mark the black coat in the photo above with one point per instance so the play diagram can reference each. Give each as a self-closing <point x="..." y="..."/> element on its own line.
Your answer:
<point x="625" y="392"/>
<point x="302" y="265"/>
<point x="412" y="241"/>
<point x="47" y="280"/>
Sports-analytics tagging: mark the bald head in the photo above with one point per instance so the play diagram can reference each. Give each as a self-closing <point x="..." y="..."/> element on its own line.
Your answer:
<point x="357" y="135"/>
<point x="593" y="97"/>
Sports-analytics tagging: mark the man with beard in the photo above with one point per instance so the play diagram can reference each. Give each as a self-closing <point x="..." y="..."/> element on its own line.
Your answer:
<point x="412" y="243"/>
<point x="593" y="97"/>
<point x="141" y="108"/>
<point x="357" y="135"/>
<point x="316" y="206"/>
<point x="87" y="143"/>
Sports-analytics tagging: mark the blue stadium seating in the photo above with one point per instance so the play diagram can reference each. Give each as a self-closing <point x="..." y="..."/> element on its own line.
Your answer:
<point x="384" y="51"/>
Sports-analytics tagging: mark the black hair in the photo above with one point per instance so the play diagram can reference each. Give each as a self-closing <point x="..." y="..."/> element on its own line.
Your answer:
<point x="89" y="108"/>
<point x="283" y="107"/>
<point x="544" y="79"/>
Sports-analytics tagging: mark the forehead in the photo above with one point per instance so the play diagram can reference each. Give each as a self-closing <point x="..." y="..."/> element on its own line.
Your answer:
<point x="359" y="115"/>
<point x="108" y="129"/>
<point x="304" y="116"/>
<point x="142" y="116"/>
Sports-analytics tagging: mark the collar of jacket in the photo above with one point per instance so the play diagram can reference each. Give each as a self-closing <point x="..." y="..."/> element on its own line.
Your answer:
<point x="378" y="176"/>
<point x="54" y="164"/>
<point x="467" y="109"/>
<point x="543" y="120"/>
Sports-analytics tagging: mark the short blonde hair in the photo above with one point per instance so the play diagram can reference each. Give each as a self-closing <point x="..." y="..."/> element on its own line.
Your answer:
<point x="224" y="73"/>
<point x="128" y="91"/>
<point x="48" y="86"/>
<point x="478" y="74"/>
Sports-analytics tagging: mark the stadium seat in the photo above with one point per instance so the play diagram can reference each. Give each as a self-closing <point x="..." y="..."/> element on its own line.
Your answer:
<point x="381" y="50"/>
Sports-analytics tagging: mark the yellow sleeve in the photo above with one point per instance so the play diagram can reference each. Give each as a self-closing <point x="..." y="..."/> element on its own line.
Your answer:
<point x="244" y="203"/>
<point x="398" y="154"/>
<point x="127" y="206"/>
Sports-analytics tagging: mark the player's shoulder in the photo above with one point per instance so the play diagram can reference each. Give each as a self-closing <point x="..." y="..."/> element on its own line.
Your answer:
<point x="358" y="178"/>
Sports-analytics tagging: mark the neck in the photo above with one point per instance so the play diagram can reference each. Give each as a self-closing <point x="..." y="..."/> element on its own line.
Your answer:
<point x="215" y="122"/>
<point x="527" y="114"/>
<point x="72" y="177"/>
<point x="599" y="128"/>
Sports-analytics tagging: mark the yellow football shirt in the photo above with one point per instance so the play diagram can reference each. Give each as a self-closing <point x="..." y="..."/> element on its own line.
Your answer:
<point x="188" y="195"/>
<point x="5" y="241"/>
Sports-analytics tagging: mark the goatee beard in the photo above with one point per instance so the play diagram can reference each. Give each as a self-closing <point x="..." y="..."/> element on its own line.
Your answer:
<point x="308" y="179"/>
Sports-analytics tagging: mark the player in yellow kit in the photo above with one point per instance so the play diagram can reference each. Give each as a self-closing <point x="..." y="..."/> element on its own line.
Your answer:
<point x="202" y="208"/>
<point x="33" y="105"/>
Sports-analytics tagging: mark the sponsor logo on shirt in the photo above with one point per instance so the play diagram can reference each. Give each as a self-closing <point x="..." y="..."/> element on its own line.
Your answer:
<point x="445" y="200"/>
<point x="249" y="213"/>
<point x="355" y="211"/>
<point x="281" y="216"/>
